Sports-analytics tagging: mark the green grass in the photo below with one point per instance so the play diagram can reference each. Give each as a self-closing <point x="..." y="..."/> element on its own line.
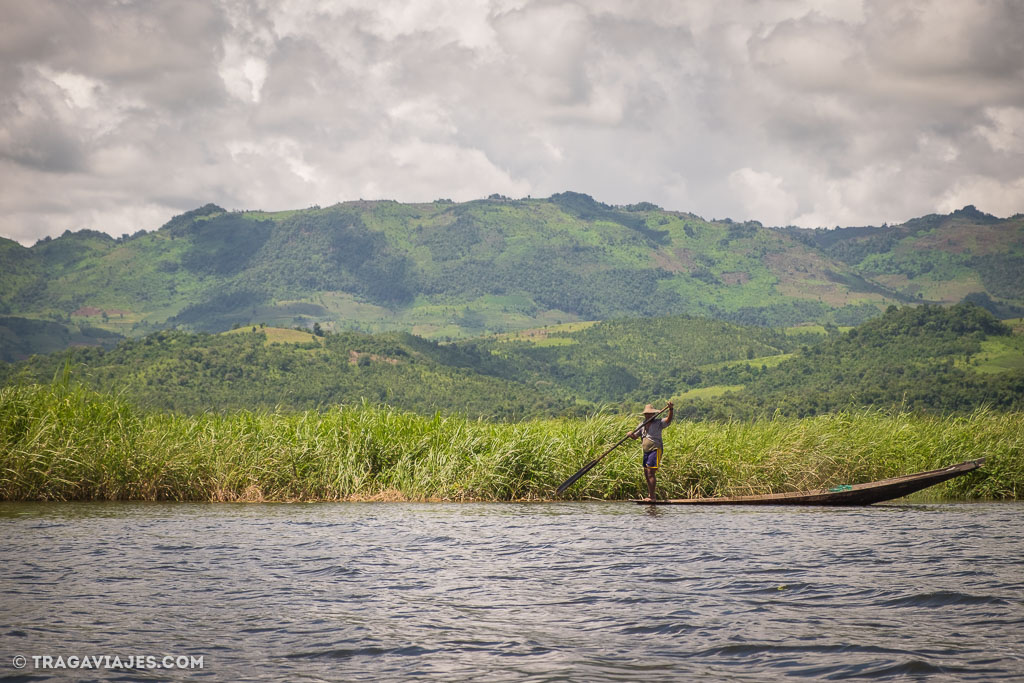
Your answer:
<point x="997" y="356"/>
<point x="796" y="330"/>
<point x="64" y="442"/>
<point x="541" y="336"/>
<point x="554" y="341"/>
<point x="708" y="392"/>
<point x="278" y="335"/>
<point x="806" y="329"/>
<point x="766" y="361"/>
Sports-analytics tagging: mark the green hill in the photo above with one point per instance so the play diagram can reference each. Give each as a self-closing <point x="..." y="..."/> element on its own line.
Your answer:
<point x="924" y="358"/>
<point x="628" y="360"/>
<point x="245" y="369"/>
<point x="942" y="259"/>
<point x="446" y="270"/>
<point x="568" y="370"/>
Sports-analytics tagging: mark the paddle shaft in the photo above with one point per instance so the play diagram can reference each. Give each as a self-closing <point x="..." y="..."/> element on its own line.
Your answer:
<point x="586" y="468"/>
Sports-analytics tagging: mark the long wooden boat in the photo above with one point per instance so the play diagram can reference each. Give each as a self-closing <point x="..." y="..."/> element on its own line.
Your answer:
<point x="852" y="494"/>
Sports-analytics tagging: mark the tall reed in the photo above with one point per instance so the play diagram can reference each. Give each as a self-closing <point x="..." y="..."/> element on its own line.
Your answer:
<point x="64" y="442"/>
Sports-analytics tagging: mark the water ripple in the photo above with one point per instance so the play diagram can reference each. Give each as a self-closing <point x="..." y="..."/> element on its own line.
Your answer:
<point x="587" y="592"/>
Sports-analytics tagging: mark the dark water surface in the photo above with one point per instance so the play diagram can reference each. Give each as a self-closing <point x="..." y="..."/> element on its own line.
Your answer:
<point x="547" y="592"/>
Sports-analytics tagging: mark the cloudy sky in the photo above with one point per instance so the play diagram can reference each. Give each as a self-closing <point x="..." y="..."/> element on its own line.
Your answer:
<point x="117" y="114"/>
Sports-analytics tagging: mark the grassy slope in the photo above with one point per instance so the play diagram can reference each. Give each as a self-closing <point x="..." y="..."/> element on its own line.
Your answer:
<point x="927" y="358"/>
<point x="919" y="358"/>
<point x="998" y="356"/>
<point x="628" y="360"/>
<point x="571" y="367"/>
<point x="936" y="258"/>
<point x="461" y="270"/>
<point x="293" y="370"/>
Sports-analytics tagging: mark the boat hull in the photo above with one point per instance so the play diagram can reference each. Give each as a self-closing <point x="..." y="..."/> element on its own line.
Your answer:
<point x="856" y="494"/>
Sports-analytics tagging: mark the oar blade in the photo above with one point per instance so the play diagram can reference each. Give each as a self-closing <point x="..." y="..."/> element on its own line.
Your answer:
<point x="574" y="478"/>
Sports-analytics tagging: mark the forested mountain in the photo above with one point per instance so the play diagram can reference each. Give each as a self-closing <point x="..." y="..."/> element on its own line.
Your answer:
<point x="197" y="372"/>
<point x="924" y="358"/>
<point x="447" y="270"/>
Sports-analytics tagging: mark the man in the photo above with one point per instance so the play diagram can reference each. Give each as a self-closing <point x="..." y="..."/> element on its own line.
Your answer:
<point x="653" y="446"/>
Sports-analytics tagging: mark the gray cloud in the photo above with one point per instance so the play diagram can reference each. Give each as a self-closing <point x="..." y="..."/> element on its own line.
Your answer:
<point x="117" y="115"/>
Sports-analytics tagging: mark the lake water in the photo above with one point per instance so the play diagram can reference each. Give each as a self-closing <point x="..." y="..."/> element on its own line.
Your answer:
<point x="544" y="592"/>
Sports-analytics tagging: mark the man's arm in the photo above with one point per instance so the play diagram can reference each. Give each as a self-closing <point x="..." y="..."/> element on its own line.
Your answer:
<point x="671" y="411"/>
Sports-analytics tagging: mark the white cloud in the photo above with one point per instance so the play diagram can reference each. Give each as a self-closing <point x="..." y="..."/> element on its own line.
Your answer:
<point x="423" y="116"/>
<point x="762" y="196"/>
<point x="80" y="91"/>
<point x="284" y="153"/>
<point x="1000" y="198"/>
<point x="243" y="75"/>
<point x="546" y="48"/>
<point x="468" y="172"/>
<point x="1003" y="129"/>
<point x="810" y="53"/>
<point x="812" y="112"/>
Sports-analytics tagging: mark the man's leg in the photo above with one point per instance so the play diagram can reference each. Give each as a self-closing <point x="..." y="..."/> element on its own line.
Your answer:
<point x="651" y="474"/>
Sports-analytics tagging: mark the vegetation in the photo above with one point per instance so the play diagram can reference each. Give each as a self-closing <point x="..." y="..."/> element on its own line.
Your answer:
<point x="925" y="359"/>
<point x="629" y="360"/>
<point x="65" y="442"/>
<point x="446" y="270"/>
<point x="509" y="383"/>
<point x="185" y="372"/>
<point x="21" y="337"/>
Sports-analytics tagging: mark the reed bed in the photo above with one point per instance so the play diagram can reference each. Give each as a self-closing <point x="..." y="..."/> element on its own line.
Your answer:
<point x="65" y="442"/>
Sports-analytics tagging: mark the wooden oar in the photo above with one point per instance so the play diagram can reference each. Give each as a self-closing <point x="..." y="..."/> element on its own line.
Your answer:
<point x="586" y="468"/>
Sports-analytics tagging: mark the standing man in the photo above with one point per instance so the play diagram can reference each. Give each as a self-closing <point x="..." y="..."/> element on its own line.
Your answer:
<point x="653" y="446"/>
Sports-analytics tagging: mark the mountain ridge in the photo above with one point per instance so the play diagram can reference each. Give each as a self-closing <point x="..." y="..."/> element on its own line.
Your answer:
<point x="445" y="270"/>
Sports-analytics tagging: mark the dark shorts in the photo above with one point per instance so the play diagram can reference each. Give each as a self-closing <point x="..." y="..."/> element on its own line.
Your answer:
<point x="652" y="459"/>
